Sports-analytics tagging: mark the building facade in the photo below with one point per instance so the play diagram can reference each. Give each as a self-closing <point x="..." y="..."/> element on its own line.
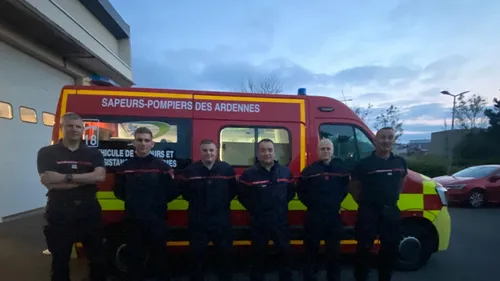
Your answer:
<point x="45" y="45"/>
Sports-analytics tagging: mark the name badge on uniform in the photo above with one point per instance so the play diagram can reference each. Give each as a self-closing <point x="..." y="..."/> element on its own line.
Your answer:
<point x="74" y="166"/>
<point x="389" y="173"/>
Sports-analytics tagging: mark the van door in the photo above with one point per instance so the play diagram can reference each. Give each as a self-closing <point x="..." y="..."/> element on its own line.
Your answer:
<point x="237" y="144"/>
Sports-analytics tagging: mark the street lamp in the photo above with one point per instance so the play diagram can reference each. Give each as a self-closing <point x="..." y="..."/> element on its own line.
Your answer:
<point x="450" y="162"/>
<point x="454" y="104"/>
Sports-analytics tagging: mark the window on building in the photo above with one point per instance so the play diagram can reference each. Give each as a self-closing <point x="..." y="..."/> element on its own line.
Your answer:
<point x="350" y="143"/>
<point x="239" y="145"/>
<point x="28" y="114"/>
<point x="5" y="110"/>
<point x="48" y="119"/>
<point x="114" y="138"/>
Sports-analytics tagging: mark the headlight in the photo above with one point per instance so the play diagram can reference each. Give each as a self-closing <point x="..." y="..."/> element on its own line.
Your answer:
<point x="441" y="191"/>
<point x="455" y="186"/>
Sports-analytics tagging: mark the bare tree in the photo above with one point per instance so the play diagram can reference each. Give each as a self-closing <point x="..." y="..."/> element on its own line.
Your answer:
<point x="390" y="118"/>
<point x="470" y="113"/>
<point x="269" y="85"/>
<point x="363" y="112"/>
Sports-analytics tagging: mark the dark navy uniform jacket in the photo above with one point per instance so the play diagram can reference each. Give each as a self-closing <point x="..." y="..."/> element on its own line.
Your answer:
<point x="381" y="179"/>
<point x="266" y="194"/>
<point x="80" y="202"/>
<point x="322" y="187"/>
<point x="209" y="192"/>
<point x="146" y="185"/>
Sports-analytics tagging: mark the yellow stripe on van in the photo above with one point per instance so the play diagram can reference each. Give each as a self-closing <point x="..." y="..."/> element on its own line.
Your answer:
<point x="407" y="202"/>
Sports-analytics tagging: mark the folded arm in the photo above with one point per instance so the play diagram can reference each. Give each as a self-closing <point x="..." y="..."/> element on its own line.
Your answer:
<point x="97" y="176"/>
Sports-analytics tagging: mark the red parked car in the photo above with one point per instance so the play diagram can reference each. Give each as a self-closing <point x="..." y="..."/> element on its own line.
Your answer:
<point x="475" y="185"/>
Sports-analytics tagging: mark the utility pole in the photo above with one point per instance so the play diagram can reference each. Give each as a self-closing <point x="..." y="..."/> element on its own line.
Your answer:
<point x="345" y="100"/>
<point x="452" y="123"/>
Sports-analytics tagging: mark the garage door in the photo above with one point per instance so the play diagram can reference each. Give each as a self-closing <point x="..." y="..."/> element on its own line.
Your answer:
<point x="29" y="90"/>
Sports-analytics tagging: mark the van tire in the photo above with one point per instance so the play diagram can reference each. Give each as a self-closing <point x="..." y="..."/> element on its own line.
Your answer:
<point x="416" y="246"/>
<point x="116" y="268"/>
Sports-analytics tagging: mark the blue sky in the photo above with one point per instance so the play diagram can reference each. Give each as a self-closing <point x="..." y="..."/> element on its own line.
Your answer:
<point x="380" y="52"/>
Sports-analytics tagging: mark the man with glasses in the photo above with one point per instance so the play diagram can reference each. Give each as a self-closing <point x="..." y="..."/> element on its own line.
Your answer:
<point x="146" y="184"/>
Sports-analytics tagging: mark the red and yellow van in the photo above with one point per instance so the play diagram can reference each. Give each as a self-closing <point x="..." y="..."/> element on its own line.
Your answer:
<point x="180" y="119"/>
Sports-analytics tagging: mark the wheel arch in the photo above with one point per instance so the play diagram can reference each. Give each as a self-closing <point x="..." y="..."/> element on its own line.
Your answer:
<point x="427" y="224"/>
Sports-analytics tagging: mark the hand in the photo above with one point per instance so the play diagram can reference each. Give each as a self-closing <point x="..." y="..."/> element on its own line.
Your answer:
<point x="52" y="177"/>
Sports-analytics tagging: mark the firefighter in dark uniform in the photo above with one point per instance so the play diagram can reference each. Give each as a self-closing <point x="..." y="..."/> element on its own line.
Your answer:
<point x="146" y="184"/>
<point x="265" y="191"/>
<point x="322" y="187"/>
<point x="209" y="185"/>
<point x="70" y="170"/>
<point x="377" y="181"/>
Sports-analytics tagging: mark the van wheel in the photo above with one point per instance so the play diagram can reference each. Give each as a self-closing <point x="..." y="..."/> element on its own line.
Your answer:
<point x="476" y="198"/>
<point x="415" y="246"/>
<point x="115" y="255"/>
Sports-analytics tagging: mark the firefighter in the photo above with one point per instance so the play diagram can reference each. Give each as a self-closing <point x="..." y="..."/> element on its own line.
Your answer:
<point x="377" y="182"/>
<point x="322" y="187"/>
<point x="265" y="191"/>
<point x="209" y="185"/>
<point x="70" y="171"/>
<point x="146" y="184"/>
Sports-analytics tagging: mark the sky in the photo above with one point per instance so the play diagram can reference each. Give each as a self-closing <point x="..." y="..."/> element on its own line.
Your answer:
<point x="386" y="52"/>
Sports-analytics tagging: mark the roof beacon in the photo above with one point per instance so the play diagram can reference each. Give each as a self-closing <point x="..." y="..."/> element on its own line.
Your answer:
<point x="96" y="80"/>
<point x="302" y="91"/>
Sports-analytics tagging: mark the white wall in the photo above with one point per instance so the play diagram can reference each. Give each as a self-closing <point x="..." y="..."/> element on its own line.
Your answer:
<point x="76" y="21"/>
<point x="24" y="81"/>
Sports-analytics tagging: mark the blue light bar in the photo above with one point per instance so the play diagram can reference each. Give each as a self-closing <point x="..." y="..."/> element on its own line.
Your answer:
<point x="102" y="81"/>
<point x="302" y="91"/>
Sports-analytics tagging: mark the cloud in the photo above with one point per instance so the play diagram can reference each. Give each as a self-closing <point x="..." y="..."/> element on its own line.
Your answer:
<point x="391" y="52"/>
<point x="372" y="96"/>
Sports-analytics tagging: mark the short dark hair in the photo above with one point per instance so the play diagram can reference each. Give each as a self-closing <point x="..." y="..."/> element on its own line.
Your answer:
<point x="143" y="130"/>
<point x="265" y="140"/>
<point x="207" y="141"/>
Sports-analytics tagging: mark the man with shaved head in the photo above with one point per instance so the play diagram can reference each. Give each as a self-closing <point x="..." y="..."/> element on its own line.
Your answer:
<point x="377" y="181"/>
<point x="322" y="186"/>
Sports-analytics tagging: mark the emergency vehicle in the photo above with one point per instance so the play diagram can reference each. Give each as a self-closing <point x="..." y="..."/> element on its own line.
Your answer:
<point x="180" y="119"/>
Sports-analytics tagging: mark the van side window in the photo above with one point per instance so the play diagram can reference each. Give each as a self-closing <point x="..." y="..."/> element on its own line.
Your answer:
<point x="5" y="110"/>
<point x="350" y="143"/>
<point x="238" y="146"/>
<point x="114" y="139"/>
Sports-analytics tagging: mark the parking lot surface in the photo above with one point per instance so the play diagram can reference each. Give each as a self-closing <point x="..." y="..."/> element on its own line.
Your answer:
<point x="473" y="254"/>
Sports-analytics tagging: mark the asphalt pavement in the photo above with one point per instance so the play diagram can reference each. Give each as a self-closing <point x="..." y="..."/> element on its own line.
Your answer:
<point x="473" y="254"/>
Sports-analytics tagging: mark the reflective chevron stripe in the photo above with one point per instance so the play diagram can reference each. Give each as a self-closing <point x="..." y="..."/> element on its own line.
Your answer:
<point x="427" y="201"/>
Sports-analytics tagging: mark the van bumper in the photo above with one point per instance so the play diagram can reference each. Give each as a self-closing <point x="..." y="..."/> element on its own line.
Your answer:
<point x="443" y="227"/>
